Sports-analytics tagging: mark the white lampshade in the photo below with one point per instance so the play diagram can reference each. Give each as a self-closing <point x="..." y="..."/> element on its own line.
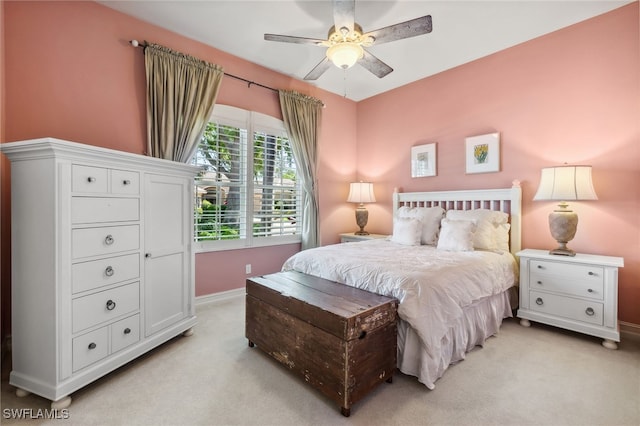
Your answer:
<point x="566" y="183"/>
<point x="344" y="55"/>
<point x="361" y="192"/>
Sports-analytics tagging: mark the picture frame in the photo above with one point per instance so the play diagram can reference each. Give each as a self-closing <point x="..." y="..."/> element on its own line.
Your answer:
<point x="423" y="160"/>
<point x="483" y="153"/>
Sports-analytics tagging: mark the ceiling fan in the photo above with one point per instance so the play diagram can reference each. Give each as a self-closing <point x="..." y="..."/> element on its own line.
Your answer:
<point x="346" y="41"/>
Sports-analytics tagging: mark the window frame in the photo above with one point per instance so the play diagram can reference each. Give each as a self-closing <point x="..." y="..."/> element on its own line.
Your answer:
<point x="250" y="121"/>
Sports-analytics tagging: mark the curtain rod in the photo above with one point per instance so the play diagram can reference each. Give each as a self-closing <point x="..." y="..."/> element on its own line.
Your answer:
<point x="136" y="43"/>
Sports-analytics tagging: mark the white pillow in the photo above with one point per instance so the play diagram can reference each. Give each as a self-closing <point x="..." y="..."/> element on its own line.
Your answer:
<point x="406" y="230"/>
<point x="429" y="217"/>
<point x="491" y="227"/>
<point x="456" y="235"/>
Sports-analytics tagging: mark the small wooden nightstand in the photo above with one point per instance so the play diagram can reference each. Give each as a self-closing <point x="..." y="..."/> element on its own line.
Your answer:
<point x="579" y="293"/>
<point x="351" y="237"/>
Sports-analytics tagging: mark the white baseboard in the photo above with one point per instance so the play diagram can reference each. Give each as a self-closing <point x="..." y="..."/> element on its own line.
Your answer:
<point x="629" y="330"/>
<point x="221" y="297"/>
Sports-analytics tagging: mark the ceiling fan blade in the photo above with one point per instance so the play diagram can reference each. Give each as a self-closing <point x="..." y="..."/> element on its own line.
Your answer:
<point x="344" y="14"/>
<point x="375" y="65"/>
<point x="293" y="39"/>
<point x="319" y="69"/>
<point x="412" y="28"/>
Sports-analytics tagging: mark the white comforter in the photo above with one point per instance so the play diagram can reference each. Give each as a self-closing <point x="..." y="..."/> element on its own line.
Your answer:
<point x="433" y="286"/>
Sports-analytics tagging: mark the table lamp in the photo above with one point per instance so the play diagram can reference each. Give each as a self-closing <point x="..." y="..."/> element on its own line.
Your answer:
<point x="361" y="192"/>
<point x="565" y="183"/>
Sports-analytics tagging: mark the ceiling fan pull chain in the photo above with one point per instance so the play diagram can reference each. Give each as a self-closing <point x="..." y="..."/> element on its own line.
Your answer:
<point x="344" y="79"/>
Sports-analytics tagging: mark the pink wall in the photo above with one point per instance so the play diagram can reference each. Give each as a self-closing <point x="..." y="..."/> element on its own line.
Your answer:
<point x="72" y="75"/>
<point x="571" y="96"/>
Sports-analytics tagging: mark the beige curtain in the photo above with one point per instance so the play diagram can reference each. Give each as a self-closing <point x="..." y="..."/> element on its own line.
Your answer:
<point x="301" y="115"/>
<point x="181" y="93"/>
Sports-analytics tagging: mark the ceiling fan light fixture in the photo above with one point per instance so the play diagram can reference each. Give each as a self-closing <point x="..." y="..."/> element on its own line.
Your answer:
<point x="345" y="55"/>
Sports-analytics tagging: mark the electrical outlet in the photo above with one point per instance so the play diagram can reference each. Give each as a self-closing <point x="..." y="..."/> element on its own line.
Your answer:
<point x="247" y="268"/>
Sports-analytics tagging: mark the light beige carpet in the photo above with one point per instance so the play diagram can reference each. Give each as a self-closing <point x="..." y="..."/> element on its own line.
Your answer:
<point x="524" y="376"/>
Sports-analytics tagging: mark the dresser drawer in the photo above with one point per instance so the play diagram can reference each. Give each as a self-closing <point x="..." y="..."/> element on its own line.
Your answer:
<point x="124" y="333"/>
<point x="89" y="179"/>
<point x="90" y="348"/>
<point x="100" y="307"/>
<point x="89" y="275"/>
<point x="104" y="240"/>
<point x="99" y="209"/>
<point x="571" y="279"/>
<point x="567" y="307"/>
<point x="125" y="182"/>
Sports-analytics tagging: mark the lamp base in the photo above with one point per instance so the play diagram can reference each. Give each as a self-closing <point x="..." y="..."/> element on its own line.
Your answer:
<point x="362" y="217"/>
<point x="563" y="224"/>
<point x="563" y="251"/>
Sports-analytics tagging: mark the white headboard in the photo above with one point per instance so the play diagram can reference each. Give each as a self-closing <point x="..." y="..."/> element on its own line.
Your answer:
<point x="508" y="200"/>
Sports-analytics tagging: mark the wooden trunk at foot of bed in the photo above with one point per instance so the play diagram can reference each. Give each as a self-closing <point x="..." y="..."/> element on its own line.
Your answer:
<point x="339" y="339"/>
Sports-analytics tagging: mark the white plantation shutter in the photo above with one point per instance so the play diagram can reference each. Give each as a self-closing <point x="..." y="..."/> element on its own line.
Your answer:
<point x="248" y="193"/>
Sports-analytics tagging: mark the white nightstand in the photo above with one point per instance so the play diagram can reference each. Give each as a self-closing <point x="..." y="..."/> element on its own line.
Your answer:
<point x="579" y="293"/>
<point x="351" y="237"/>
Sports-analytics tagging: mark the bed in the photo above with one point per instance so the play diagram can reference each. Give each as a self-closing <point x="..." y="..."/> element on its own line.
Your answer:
<point x="450" y="262"/>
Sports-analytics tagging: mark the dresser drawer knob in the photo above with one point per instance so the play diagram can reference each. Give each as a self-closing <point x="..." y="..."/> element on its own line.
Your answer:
<point x="111" y="305"/>
<point x="109" y="271"/>
<point x="590" y="290"/>
<point x="126" y="182"/>
<point x="539" y="282"/>
<point x="540" y="267"/>
<point x="539" y="301"/>
<point x="91" y="179"/>
<point x="92" y="345"/>
<point x="591" y="273"/>
<point x="108" y="240"/>
<point x="590" y="312"/>
<point x="127" y="330"/>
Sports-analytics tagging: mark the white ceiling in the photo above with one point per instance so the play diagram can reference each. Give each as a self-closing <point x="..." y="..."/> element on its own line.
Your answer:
<point x="462" y="31"/>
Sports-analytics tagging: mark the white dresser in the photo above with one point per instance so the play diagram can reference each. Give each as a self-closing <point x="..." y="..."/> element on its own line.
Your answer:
<point x="578" y="293"/>
<point x="102" y="264"/>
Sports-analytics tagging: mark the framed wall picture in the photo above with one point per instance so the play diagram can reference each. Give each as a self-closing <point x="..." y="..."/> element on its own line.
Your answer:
<point x="423" y="160"/>
<point x="483" y="153"/>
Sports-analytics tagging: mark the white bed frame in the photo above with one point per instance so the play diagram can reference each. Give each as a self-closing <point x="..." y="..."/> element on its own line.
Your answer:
<point x="508" y="200"/>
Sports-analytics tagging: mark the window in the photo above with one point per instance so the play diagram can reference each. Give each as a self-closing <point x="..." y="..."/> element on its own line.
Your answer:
<point x="248" y="193"/>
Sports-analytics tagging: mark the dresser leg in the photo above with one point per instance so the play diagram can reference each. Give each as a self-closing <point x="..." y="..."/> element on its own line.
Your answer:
<point x="609" y="344"/>
<point x="21" y="393"/>
<point x="61" y="403"/>
<point x="188" y="332"/>
<point x="525" y="322"/>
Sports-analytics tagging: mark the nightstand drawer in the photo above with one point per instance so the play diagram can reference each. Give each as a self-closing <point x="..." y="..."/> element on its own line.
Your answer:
<point x="567" y="307"/>
<point x="571" y="279"/>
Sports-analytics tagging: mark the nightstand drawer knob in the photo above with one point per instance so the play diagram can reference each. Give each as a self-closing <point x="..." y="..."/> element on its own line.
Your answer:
<point x="540" y="302"/>
<point x="590" y="312"/>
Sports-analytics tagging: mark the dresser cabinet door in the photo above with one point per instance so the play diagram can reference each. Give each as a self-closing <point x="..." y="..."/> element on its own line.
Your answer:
<point x="166" y="262"/>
